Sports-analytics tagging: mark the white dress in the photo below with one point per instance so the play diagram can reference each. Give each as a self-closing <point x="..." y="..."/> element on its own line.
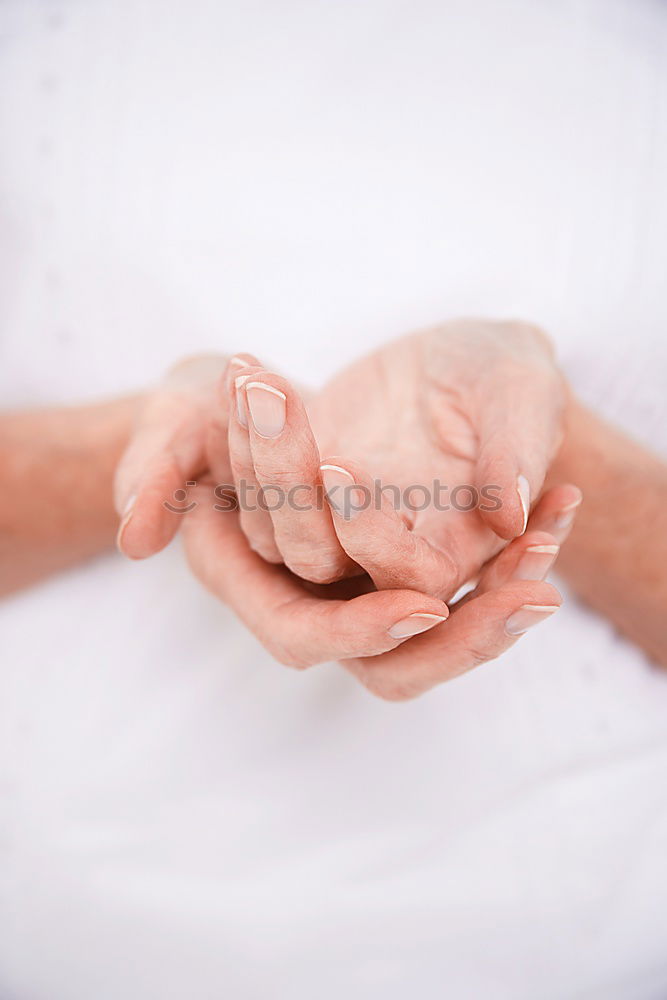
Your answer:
<point x="180" y="817"/>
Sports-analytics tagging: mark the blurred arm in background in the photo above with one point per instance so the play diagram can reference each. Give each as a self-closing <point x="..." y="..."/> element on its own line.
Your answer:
<point x="56" y="505"/>
<point x="58" y="467"/>
<point x="616" y="556"/>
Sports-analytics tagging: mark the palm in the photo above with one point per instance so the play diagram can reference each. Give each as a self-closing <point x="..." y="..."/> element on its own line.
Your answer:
<point x="407" y="414"/>
<point x="471" y="402"/>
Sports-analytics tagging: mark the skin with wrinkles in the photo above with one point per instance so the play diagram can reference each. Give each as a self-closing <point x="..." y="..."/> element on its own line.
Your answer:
<point x="469" y="402"/>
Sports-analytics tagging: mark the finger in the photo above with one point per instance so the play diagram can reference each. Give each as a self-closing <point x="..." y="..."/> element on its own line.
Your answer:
<point x="375" y="536"/>
<point x="217" y="438"/>
<point x="166" y="451"/>
<point x="557" y="510"/>
<point x="153" y="514"/>
<point x="287" y="466"/>
<point x="532" y="555"/>
<point x="480" y="630"/>
<point x="519" y="427"/>
<point x="255" y="519"/>
<point x="529" y="557"/>
<point x="297" y="628"/>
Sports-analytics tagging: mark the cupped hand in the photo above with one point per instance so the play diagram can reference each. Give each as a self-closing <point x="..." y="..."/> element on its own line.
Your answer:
<point x="398" y="643"/>
<point x="423" y="406"/>
<point x="431" y="451"/>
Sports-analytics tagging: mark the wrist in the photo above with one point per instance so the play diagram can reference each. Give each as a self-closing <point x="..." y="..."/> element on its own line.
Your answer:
<point x="58" y="467"/>
<point x="580" y="431"/>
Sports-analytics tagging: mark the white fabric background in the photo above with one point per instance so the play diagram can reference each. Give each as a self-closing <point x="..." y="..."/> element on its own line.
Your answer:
<point x="179" y="816"/>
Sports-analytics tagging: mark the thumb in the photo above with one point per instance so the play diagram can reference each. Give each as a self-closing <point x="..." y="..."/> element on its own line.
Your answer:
<point x="519" y="430"/>
<point x="150" y="488"/>
<point x="166" y="452"/>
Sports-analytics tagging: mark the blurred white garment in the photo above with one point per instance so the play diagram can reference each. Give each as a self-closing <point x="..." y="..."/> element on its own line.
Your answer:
<point x="181" y="817"/>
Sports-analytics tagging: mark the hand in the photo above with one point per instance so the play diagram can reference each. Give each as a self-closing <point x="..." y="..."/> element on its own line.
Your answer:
<point x="473" y="405"/>
<point x="376" y="635"/>
<point x="302" y="624"/>
<point x="182" y="421"/>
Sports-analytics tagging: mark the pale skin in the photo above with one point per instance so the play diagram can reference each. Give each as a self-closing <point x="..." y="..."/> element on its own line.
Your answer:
<point x="58" y="470"/>
<point x="377" y="541"/>
<point x="186" y="429"/>
<point x="616" y="557"/>
<point x="470" y="402"/>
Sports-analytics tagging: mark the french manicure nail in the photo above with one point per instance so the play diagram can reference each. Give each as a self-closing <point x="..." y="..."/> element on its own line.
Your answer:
<point x="342" y="493"/>
<point x="564" y="520"/>
<point x="418" y="622"/>
<point x="527" y="616"/>
<point x="535" y="562"/>
<point x="267" y="408"/>
<point x="128" y="510"/>
<point x="241" y="412"/>
<point x="562" y="524"/>
<point x="129" y="505"/>
<point x="523" y="490"/>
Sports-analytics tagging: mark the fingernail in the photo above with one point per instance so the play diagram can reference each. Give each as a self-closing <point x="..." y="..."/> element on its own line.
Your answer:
<point x="527" y="616"/>
<point x="267" y="408"/>
<point x="129" y="505"/>
<point x="535" y="562"/>
<point x="341" y="491"/>
<point x="523" y="489"/>
<point x="420" y="621"/>
<point x="241" y="412"/>
<point x="128" y="510"/>
<point x="564" y="520"/>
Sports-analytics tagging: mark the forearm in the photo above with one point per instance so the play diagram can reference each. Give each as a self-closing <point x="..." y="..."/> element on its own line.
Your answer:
<point x="57" y="468"/>
<point x="616" y="556"/>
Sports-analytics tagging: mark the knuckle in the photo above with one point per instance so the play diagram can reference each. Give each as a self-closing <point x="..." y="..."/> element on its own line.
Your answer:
<point x="475" y="656"/>
<point x="266" y="551"/>
<point x="260" y="541"/>
<point x="243" y="473"/>
<point x="283" y="645"/>
<point x="319" y="573"/>
<point x="391" y="689"/>
<point x="288" y="657"/>
<point x="273" y="475"/>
